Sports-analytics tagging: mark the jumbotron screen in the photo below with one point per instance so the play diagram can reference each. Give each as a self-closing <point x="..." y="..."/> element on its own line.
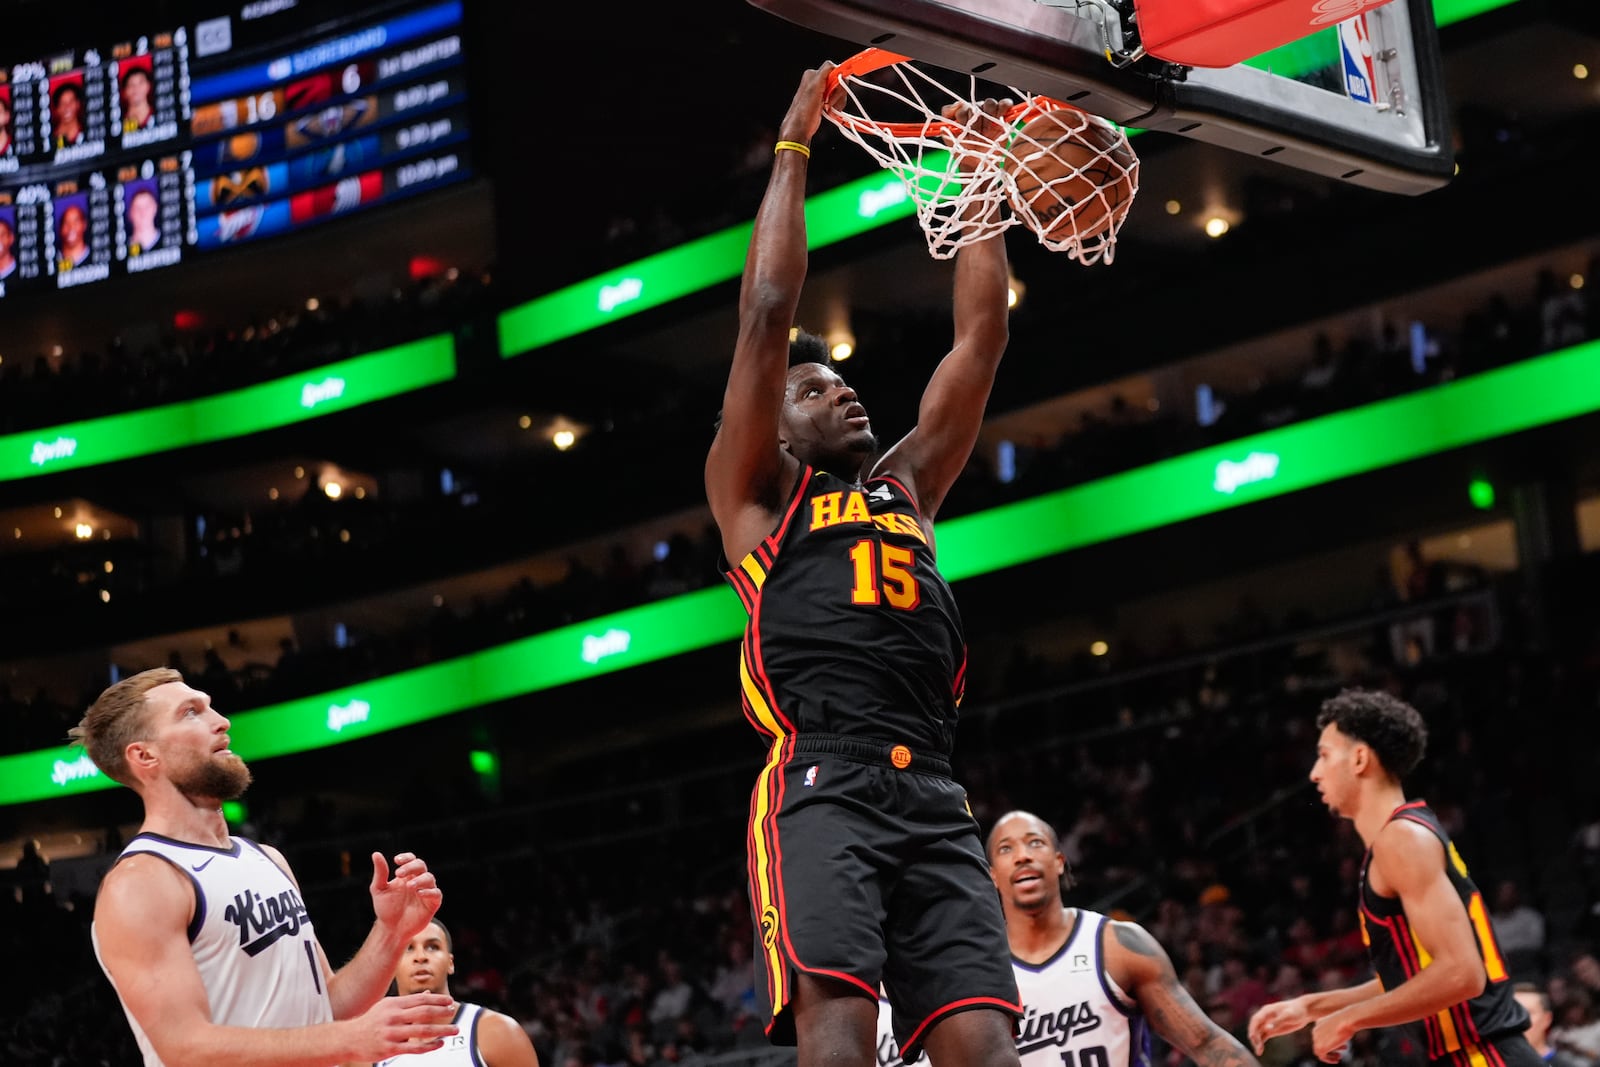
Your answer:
<point x="130" y="155"/>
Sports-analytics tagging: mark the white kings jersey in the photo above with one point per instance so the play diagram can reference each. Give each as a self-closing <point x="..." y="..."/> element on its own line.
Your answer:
<point x="458" y="1051"/>
<point x="1074" y="1015"/>
<point x="251" y="938"/>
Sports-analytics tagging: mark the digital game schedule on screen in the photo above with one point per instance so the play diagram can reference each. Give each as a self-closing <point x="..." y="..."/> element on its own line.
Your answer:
<point x="131" y="155"/>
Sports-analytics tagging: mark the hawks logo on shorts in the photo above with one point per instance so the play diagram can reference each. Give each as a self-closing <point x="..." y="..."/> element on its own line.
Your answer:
<point x="769" y="926"/>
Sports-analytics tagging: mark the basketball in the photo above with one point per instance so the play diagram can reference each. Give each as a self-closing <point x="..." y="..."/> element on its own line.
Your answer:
<point x="1074" y="175"/>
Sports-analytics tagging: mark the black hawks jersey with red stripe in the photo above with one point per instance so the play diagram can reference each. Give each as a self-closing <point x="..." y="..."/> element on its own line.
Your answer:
<point x="852" y="630"/>
<point x="1397" y="954"/>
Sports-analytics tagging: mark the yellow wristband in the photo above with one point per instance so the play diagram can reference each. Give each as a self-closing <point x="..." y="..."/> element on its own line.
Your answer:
<point x="793" y="146"/>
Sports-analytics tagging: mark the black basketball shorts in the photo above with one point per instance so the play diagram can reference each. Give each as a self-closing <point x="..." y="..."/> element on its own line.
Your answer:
<point x="865" y="865"/>
<point x="1503" y="1050"/>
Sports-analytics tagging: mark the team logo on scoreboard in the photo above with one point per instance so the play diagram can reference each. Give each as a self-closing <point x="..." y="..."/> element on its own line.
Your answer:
<point x="240" y="148"/>
<point x="330" y="122"/>
<point x="242" y="186"/>
<point x="240" y="225"/>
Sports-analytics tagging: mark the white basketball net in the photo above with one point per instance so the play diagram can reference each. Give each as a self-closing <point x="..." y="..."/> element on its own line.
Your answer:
<point x="895" y="113"/>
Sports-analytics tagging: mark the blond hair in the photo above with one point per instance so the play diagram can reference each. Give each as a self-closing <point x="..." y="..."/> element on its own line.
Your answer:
<point x="116" y="719"/>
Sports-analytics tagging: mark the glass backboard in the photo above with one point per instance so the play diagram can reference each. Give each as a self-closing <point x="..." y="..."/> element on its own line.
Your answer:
<point x="1361" y="101"/>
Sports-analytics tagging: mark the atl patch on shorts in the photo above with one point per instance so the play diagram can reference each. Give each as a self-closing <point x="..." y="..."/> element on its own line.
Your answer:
<point x="865" y="864"/>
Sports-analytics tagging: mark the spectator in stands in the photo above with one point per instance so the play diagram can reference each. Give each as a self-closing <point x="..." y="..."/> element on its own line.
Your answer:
<point x="1413" y="638"/>
<point x="33" y="875"/>
<point x="1243" y="990"/>
<point x="1537" y="1003"/>
<point x="1520" y="930"/>
<point x="1562" y="314"/>
<point x="672" y="1001"/>
<point x="1577" y="1029"/>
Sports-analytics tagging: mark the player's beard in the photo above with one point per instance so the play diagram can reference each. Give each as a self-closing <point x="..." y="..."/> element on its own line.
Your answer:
<point x="216" y="779"/>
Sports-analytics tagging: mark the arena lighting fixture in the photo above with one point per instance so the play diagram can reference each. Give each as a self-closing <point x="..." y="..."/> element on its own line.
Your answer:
<point x="563" y="433"/>
<point x="841" y="345"/>
<point x="1016" y="292"/>
<point x="1216" y="226"/>
<point x="1508" y="400"/>
<point x="1481" y="492"/>
<point x="832" y="216"/>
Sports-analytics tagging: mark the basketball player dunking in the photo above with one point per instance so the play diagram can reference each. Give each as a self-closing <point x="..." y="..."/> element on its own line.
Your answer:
<point x="866" y="870"/>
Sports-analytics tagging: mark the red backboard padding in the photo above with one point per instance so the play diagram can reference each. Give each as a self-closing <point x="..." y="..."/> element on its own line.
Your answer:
<point x="1220" y="33"/>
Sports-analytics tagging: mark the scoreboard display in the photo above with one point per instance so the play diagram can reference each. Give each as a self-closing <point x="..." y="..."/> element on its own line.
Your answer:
<point x="139" y="154"/>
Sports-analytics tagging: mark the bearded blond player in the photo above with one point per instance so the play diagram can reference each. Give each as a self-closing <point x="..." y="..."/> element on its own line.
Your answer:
<point x="204" y="934"/>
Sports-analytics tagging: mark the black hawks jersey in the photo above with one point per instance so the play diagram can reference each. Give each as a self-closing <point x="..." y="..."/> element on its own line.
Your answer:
<point x="852" y="631"/>
<point x="1397" y="954"/>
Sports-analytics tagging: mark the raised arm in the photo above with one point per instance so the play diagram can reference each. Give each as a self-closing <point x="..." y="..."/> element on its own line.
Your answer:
<point x="1410" y="859"/>
<point x="141" y="919"/>
<point x="1142" y="968"/>
<point x="401" y="906"/>
<point x="746" y="473"/>
<point x="934" y="453"/>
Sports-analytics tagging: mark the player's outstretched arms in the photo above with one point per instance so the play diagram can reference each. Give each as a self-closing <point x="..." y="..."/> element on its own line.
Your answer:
<point x="1288" y="1016"/>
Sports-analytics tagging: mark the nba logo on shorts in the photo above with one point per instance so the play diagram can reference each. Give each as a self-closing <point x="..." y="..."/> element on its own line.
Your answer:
<point x="811" y="775"/>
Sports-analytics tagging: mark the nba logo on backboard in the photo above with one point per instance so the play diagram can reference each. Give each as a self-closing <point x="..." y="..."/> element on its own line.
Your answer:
<point x="1360" y="73"/>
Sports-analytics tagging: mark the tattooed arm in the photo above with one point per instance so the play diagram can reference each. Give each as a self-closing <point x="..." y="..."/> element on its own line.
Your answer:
<point x="1137" y="963"/>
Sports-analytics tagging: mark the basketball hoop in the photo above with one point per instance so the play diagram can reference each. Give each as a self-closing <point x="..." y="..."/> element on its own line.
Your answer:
<point x="894" y="109"/>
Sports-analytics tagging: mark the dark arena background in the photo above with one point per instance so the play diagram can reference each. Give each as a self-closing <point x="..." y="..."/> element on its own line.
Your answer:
<point x="391" y="438"/>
